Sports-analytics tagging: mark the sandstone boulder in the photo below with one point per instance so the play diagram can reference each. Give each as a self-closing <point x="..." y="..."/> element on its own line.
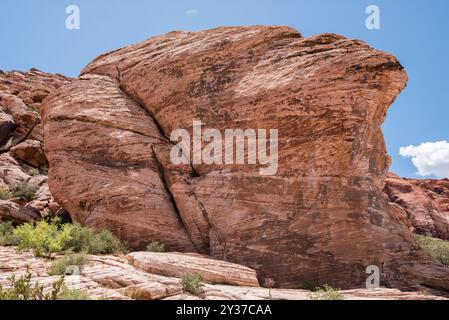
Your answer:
<point x="322" y="216"/>
<point x="211" y="270"/>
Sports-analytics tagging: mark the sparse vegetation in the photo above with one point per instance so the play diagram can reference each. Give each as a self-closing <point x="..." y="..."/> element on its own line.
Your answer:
<point x="44" y="238"/>
<point x="7" y="237"/>
<point x="86" y="240"/>
<point x="24" y="190"/>
<point x="60" y="266"/>
<point x="33" y="172"/>
<point x="308" y="284"/>
<point x="155" y="246"/>
<point x="22" y="289"/>
<point x="191" y="283"/>
<point x="68" y="294"/>
<point x="326" y="293"/>
<point x="437" y="248"/>
<point x="5" y="194"/>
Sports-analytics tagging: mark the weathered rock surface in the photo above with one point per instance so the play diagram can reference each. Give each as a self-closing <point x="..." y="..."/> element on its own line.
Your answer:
<point x="112" y="277"/>
<point x="21" y="142"/>
<point x="425" y="203"/>
<point x="323" y="216"/>
<point x="176" y="264"/>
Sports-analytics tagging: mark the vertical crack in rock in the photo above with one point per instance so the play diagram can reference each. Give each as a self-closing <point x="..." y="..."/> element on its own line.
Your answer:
<point x="198" y="234"/>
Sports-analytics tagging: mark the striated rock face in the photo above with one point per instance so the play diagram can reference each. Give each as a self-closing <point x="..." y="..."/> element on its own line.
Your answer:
<point x="22" y="158"/>
<point x="425" y="203"/>
<point x="322" y="216"/>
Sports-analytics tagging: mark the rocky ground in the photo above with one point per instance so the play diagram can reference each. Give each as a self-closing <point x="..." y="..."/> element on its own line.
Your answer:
<point x="150" y="276"/>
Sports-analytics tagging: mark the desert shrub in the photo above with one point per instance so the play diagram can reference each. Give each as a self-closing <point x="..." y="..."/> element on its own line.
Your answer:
<point x="60" y="266"/>
<point x="308" y="284"/>
<point x="7" y="238"/>
<point x="155" y="246"/>
<point x="105" y="242"/>
<point x="326" y="293"/>
<point x="75" y="294"/>
<point x="438" y="249"/>
<point x="86" y="240"/>
<point x="33" y="172"/>
<point x="24" y="190"/>
<point x="22" y="289"/>
<point x="191" y="282"/>
<point x="5" y="194"/>
<point x="44" y="238"/>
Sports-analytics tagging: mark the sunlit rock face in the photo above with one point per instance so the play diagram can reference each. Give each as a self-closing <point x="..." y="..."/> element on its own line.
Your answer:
<point x="322" y="216"/>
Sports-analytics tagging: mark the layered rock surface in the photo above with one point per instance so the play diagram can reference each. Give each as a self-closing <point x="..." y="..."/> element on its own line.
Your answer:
<point x="322" y="216"/>
<point x="113" y="278"/>
<point x="425" y="203"/>
<point x="22" y="158"/>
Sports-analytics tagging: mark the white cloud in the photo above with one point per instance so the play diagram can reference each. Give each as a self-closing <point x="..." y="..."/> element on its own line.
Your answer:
<point x="430" y="158"/>
<point x="192" y="12"/>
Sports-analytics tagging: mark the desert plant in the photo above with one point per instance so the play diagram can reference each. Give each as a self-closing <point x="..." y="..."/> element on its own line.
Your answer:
<point x="438" y="249"/>
<point x="74" y="294"/>
<point x="33" y="172"/>
<point x="5" y="194"/>
<point x="7" y="237"/>
<point x="309" y="284"/>
<point x="155" y="246"/>
<point x="22" y="289"/>
<point x="59" y="267"/>
<point x="44" y="238"/>
<point x="326" y="293"/>
<point x="104" y="242"/>
<point x="191" y="282"/>
<point x="86" y="240"/>
<point x="24" y="190"/>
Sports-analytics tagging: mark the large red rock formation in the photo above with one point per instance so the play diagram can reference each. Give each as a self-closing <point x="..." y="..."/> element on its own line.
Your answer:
<point x="322" y="216"/>
<point x="425" y="203"/>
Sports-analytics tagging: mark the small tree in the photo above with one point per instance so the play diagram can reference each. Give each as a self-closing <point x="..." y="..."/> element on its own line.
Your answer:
<point x="44" y="238"/>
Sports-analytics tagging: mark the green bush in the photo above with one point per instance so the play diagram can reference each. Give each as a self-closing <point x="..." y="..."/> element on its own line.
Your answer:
<point x="86" y="240"/>
<point x="44" y="238"/>
<point x="326" y="293"/>
<point x="438" y="249"/>
<point x="191" y="283"/>
<point x="68" y="294"/>
<point x="7" y="237"/>
<point x="60" y="266"/>
<point x="23" y="289"/>
<point x="5" y="194"/>
<point x="24" y="190"/>
<point x="155" y="246"/>
<point x="33" y="172"/>
<point x="309" y="284"/>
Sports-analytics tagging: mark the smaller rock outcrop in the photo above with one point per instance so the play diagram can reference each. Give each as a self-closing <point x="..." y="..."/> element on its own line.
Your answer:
<point x="425" y="203"/>
<point x="22" y="157"/>
<point x="211" y="270"/>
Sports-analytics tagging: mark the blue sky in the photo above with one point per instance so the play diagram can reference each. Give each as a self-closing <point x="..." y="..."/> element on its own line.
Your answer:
<point x="33" y="34"/>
